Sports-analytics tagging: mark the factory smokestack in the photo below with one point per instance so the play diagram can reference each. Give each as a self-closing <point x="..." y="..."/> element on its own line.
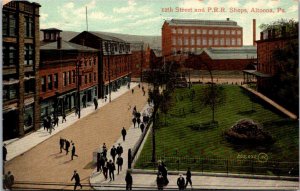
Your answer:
<point x="254" y="32"/>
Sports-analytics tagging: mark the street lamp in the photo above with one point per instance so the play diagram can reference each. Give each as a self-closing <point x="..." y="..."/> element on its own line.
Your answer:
<point x="78" y="65"/>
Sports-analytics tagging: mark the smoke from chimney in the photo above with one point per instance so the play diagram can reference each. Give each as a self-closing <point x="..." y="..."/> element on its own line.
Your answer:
<point x="254" y="32"/>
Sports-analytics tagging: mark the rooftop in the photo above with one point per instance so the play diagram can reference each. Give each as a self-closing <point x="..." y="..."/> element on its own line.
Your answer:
<point x="244" y="52"/>
<point x="65" y="45"/>
<point x="195" y="22"/>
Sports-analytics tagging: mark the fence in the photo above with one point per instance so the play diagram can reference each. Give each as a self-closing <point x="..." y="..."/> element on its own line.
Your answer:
<point x="222" y="165"/>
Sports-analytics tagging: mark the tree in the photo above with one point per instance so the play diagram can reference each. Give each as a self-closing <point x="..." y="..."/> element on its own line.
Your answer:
<point x="213" y="96"/>
<point x="165" y="103"/>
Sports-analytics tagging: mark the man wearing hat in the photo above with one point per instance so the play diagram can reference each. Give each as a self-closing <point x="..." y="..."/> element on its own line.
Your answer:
<point x="180" y="182"/>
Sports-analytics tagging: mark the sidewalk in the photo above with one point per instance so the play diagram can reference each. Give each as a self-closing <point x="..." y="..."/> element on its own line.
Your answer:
<point x="133" y="134"/>
<point x="19" y="146"/>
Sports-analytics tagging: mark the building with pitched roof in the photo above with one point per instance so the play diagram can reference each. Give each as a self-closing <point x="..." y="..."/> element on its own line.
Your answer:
<point x="114" y="66"/>
<point x="68" y="73"/>
<point x="217" y="58"/>
<point x="21" y="46"/>
<point x="189" y="35"/>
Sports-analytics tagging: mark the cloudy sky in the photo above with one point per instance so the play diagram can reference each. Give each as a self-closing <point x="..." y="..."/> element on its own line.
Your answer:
<point x="145" y="17"/>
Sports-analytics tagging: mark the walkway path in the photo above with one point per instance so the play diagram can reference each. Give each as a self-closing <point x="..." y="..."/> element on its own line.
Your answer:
<point x="44" y="163"/>
<point x="274" y="104"/>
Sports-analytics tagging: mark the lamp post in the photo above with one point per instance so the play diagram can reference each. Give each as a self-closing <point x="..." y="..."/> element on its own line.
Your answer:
<point x="78" y="65"/>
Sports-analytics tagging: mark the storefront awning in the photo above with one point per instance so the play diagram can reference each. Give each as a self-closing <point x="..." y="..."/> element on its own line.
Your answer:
<point x="11" y="107"/>
<point x="28" y="101"/>
<point x="10" y="82"/>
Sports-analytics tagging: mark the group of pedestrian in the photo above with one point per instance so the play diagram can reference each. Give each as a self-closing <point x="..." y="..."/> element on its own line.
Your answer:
<point x="162" y="179"/>
<point x="49" y="123"/>
<point x="137" y="119"/>
<point x="182" y="183"/>
<point x="108" y="166"/>
<point x="65" y="144"/>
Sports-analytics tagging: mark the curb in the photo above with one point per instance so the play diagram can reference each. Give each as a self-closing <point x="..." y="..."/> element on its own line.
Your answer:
<point x="264" y="177"/>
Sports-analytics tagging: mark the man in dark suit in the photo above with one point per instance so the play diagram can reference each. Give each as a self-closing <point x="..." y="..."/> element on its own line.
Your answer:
<point x="119" y="163"/>
<point x="111" y="167"/>
<point x="73" y="151"/>
<point x="67" y="146"/>
<point x="180" y="182"/>
<point x="123" y="132"/>
<point x="119" y="150"/>
<point x="113" y="152"/>
<point x="77" y="179"/>
<point x="61" y="144"/>
<point x="142" y="126"/>
<point x="188" y="177"/>
<point x="4" y="152"/>
<point x="129" y="181"/>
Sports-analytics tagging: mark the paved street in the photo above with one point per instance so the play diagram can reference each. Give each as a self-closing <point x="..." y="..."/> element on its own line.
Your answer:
<point x="45" y="162"/>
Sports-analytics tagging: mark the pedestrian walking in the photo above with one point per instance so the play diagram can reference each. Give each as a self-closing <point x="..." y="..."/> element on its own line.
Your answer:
<point x="132" y="91"/>
<point x="129" y="181"/>
<point x="123" y="132"/>
<point x="56" y="120"/>
<point x="8" y="181"/>
<point x="104" y="150"/>
<point x="139" y="85"/>
<point x="77" y="180"/>
<point x="76" y="111"/>
<point x="143" y="88"/>
<point x="142" y="127"/>
<point x="144" y="92"/>
<point x="119" y="163"/>
<point x="113" y="153"/>
<point x="180" y="182"/>
<point x="67" y="146"/>
<point x="95" y="103"/>
<point x="105" y="169"/>
<point x="128" y="85"/>
<point x="45" y="123"/>
<point x="98" y="162"/>
<point x="4" y="152"/>
<point x="138" y="120"/>
<point x="119" y="149"/>
<point x="64" y="118"/>
<point x="160" y="182"/>
<point x="61" y="144"/>
<point x="111" y="167"/>
<point x="188" y="177"/>
<point x="134" y="121"/>
<point x="101" y="162"/>
<point x="73" y="151"/>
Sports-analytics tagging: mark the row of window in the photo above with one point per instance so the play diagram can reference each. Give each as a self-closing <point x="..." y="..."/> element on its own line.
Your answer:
<point x="9" y="25"/>
<point x="10" y="54"/>
<point x="207" y="41"/>
<point x="11" y="91"/>
<point x="115" y="47"/>
<point x="67" y="77"/>
<point x="206" y="31"/>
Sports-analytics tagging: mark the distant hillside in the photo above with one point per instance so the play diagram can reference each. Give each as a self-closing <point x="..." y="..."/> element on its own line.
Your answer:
<point x="153" y="41"/>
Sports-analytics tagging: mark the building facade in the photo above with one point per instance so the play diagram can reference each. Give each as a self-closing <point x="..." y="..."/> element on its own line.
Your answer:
<point x="270" y="41"/>
<point x="137" y="58"/>
<point x="114" y="66"/>
<point x="187" y="35"/>
<point x="21" y="57"/>
<point x="66" y="69"/>
<point x="223" y="58"/>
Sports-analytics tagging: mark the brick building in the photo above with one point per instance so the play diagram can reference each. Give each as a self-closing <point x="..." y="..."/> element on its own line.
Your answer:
<point x="237" y="58"/>
<point x="137" y="58"/>
<point x="187" y="35"/>
<point x="62" y="64"/>
<point x="114" y="66"/>
<point x="21" y="57"/>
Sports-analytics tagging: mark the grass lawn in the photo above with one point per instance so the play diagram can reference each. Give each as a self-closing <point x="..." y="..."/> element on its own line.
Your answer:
<point x="177" y="140"/>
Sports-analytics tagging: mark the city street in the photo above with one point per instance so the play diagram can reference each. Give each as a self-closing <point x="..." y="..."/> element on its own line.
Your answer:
<point x="45" y="164"/>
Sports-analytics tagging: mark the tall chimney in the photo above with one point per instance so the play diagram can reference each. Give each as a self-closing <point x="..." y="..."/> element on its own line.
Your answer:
<point x="58" y="42"/>
<point x="254" y="32"/>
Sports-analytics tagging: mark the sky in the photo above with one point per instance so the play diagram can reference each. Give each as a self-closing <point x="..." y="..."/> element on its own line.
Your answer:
<point x="145" y="17"/>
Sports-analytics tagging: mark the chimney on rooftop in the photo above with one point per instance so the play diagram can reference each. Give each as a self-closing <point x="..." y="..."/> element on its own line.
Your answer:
<point x="59" y="42"/>
<point x="254" y="32"/>
<point x="227" y="19"/>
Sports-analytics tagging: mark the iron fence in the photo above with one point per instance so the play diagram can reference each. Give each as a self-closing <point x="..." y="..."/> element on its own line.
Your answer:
<point x="234" y="166"/>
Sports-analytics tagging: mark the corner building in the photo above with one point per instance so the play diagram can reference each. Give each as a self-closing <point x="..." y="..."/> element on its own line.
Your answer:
<point x="21" y="57"/>
<point x="188" y="35"/>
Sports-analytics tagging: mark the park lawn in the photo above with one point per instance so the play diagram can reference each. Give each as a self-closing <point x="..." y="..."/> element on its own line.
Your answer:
<point x="177" y="140"/>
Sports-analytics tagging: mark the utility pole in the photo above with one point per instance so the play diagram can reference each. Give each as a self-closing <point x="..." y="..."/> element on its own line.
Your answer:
<point x="78" y="64"/>
<point x="109" y="84"/>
